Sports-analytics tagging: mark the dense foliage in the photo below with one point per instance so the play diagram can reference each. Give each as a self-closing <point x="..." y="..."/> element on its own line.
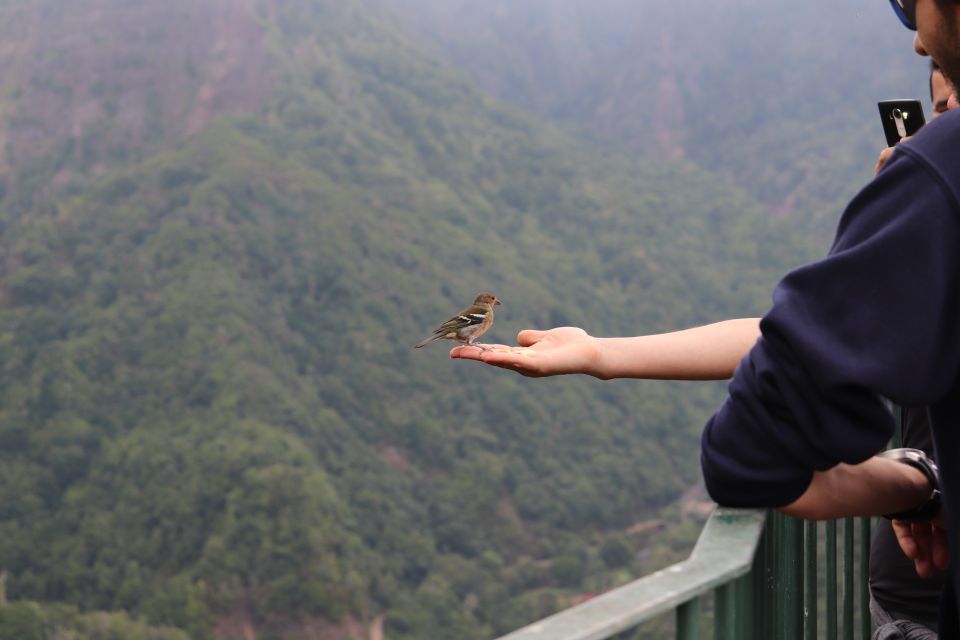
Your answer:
<point x="30" y="621"/>
<point x="211" y="417"/>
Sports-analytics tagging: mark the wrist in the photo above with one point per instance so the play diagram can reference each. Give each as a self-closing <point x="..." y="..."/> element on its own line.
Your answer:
<point x="928" y="485"/>
<point x="598" y="362"/>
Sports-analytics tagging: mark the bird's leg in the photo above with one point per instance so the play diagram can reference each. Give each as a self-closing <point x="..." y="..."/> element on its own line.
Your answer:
<point x="478" y="345"/>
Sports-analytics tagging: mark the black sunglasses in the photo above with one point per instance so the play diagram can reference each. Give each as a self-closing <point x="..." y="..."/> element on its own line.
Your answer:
<point x="906" y="10"/>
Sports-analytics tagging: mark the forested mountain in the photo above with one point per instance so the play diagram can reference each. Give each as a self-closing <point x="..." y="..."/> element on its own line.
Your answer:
<point x="226" y="225"/>
<point x="779" y="96"/>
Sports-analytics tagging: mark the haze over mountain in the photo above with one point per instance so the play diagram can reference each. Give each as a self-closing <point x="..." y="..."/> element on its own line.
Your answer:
<point x="779" y="95"/>
<point x="225" y="225"/>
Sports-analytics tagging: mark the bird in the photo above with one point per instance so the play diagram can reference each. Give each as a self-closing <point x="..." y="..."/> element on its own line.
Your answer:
<point x="469" y="324"/>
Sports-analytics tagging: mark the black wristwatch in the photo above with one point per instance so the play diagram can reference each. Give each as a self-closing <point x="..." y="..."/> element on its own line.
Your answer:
<point x="919" y="460"/>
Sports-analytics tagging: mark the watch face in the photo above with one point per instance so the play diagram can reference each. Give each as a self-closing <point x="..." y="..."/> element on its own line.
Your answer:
<point x="915" y="458"/>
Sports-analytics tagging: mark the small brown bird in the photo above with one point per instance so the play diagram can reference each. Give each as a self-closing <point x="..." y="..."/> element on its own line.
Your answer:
<point x="469" y="324"/>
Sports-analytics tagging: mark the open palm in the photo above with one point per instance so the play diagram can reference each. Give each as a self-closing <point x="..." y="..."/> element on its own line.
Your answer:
<point x="540" y="353"/>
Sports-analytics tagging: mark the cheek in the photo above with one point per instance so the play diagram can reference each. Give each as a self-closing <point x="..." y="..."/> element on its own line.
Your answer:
<point x="938" y="31"/>
<point x="930" y="32"/>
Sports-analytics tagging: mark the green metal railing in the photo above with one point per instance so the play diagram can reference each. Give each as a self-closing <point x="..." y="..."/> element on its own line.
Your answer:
<point x="763" y="570"/>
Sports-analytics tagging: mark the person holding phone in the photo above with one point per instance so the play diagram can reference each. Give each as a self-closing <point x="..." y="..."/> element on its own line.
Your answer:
<point x="902" y="601"/>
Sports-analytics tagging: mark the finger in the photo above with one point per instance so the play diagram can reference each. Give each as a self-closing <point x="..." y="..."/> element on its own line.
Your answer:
<point x="882" y="159"/>
<point x="519" y="367"/>
<point x="473" y="352"/>
<point x="510" y="360"/>
<point x="941" y="548"/>
<point x="924" y="539"/>
<point x="516" y="367"/>
<point x="499" y="355"/>
<point x="465" y="353"/>
<point x="904" y="534"/>
<point x="529" y="337"/>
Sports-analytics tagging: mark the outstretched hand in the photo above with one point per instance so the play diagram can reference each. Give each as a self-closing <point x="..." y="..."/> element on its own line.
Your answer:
<point x="540" y="353"/>
<point x="925" y="543"/>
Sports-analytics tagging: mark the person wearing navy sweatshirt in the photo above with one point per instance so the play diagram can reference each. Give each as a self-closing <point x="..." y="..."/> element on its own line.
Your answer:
<point x="879" y="317"/>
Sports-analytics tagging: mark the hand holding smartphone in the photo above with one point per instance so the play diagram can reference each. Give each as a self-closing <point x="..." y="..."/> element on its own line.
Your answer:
<point x="900" y="119"/>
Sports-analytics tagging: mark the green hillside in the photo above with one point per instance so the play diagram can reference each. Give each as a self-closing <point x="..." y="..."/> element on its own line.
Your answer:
<point x="89" y="86"/>
<point x="212" y="420"/>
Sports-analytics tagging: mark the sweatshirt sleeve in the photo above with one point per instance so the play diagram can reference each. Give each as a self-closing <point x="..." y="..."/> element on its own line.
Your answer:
<point x="879" y="317"/>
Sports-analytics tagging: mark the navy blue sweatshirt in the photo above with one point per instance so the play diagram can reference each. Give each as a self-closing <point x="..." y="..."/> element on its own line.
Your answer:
<point x="878" y="317"/>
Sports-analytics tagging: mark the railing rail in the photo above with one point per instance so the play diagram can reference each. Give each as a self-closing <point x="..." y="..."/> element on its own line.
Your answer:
<point x="724" y="552"/>
<point x="762" y="568"/>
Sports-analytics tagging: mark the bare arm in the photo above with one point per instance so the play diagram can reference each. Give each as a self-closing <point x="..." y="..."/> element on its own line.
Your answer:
<point x="871" y="488"/>
<point x="710" y="352"/>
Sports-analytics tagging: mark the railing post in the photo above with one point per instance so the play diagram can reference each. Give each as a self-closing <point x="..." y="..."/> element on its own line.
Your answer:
<point x="847" y="594"/>
<point x="866" y="625"/>
<point x="763" y="582"/>
<point x="830" y="576"/>
<point x="734" y="610"/>
<point x="725" y="612"/>
<point x="810" y="580"/>
<point x="688" y="620"/>
<point x="746" y="599"/>
<point x="790" y="570"/>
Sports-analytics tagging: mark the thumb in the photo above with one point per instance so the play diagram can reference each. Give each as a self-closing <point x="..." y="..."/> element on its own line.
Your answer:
<point x="529" y="337"/>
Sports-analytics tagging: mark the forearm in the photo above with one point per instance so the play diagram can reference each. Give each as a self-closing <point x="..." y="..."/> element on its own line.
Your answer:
<point x="872" y="488"/>
<point x="710" y="352"/>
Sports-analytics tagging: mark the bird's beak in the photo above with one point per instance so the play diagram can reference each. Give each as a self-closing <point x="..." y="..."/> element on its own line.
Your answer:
<point x="496" y="302"/>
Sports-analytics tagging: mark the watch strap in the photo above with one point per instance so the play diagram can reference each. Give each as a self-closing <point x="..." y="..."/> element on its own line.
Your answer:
<point x="918" y="460"/>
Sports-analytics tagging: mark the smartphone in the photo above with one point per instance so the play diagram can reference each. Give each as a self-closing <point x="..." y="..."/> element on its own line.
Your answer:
<point x="900" y="118"/>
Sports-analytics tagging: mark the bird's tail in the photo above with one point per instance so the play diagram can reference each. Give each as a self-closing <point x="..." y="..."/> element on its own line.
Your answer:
<point x="435" y="336"/>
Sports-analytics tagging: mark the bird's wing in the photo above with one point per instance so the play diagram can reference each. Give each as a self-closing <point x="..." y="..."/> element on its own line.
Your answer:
<point x="467" y="318"/>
